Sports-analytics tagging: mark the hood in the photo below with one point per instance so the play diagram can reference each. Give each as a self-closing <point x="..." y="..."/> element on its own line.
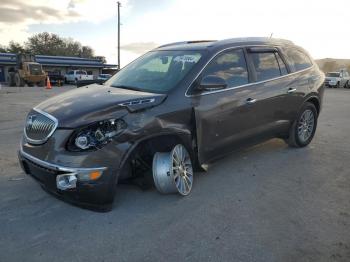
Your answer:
<point x="97" y="102"/>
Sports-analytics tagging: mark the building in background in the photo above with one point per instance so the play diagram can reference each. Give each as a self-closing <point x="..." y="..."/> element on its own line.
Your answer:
<point x="61" y="64"/>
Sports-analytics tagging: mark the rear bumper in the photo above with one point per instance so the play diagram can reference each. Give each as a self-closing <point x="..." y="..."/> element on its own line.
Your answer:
<point x="97" y="195"/>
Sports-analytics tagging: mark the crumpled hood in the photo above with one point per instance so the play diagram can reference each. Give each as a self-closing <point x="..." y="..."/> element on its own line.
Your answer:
<point x="97" y="102"/>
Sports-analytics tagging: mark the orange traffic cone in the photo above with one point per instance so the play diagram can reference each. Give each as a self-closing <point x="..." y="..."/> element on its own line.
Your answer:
<point x="48" y="84"/>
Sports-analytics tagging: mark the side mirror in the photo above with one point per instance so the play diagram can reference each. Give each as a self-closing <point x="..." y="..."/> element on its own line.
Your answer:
<point x="212" y="82"/>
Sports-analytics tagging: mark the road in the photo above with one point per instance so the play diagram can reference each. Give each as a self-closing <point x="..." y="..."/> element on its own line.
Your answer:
<point x="265" y="203"/>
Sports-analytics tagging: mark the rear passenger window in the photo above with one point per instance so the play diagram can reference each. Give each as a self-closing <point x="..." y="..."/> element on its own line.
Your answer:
<point x="230" y="66"/>
<point x="266" y="65"/>
<point x="298" y="59"/>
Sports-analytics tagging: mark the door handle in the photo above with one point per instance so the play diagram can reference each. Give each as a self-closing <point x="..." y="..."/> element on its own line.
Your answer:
<point x="250" y="101"/>
<point x="291" y="90"/>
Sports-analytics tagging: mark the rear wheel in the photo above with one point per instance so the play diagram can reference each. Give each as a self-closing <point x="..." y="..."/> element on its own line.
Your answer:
<point x="303" y="129"/>
<point x="346" y="84"/>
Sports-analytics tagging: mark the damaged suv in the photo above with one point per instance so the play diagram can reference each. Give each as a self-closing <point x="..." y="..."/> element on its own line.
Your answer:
<point x="172" y="111"/>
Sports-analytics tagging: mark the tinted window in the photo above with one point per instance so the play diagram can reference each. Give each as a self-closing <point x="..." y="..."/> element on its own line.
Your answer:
<point x="281" y="64"/>
<point x="298" y="59"/>
<point x="230" y="66"/>
<point x="266" y="66"/>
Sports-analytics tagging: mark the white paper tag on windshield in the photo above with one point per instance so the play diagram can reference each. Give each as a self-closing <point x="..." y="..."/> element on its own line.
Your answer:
<point x="185" y="58"/>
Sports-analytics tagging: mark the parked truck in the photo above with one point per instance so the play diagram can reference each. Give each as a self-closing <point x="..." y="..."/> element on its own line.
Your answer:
<point x="338" y="79"/>
<point x="27" y="71"/>
<point x="74" y="76"/>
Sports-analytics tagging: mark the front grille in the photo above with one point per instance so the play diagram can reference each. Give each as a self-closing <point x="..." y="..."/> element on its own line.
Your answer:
<point x="39" y="127"/>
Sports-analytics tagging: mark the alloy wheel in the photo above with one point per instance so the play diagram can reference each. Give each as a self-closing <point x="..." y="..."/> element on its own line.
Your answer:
<point x="306" y="125"/>
<point x="182" y="169"/>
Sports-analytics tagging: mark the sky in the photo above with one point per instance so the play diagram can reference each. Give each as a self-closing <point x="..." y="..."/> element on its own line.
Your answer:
<point x="319" y="26"/>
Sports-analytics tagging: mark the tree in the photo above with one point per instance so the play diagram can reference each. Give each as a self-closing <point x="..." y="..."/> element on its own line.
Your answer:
<point x="15" y="47"/>
<point x="73" y="48"/>
<point x="87" y="52"/>
<point x="45" y="44"/>
<point x="101" y="58"/>
<point x="52" y="44"/>
<point x="3" y="49"/>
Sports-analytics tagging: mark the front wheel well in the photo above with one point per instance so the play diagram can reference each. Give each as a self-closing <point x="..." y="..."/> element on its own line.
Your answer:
<point x="140" y="159"/>
<point x="315" y="102"/>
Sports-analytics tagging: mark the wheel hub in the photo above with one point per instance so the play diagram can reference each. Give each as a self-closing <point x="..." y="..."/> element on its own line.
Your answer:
<point x="175" y="175"/>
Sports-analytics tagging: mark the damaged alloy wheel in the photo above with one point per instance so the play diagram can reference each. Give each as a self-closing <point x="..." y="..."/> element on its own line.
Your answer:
<point x="172" y="171"/>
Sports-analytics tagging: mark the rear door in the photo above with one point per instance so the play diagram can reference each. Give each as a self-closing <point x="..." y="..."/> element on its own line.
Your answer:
<point x="271" y="89"/>
<point x="301" y="81"/>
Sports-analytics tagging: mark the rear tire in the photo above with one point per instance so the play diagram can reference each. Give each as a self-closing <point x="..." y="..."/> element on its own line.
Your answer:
<point x="304" y="127"/>
<point x="346" y="84"/>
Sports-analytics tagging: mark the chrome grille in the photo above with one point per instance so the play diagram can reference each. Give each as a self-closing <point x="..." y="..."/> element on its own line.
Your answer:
<point x="39" y="126"/>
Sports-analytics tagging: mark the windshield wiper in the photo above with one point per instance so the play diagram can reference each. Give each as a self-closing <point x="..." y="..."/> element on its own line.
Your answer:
<point x="127" y="87"/>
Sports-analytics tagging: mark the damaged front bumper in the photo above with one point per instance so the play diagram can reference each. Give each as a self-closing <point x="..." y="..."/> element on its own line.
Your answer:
<point x="86" y="187"/>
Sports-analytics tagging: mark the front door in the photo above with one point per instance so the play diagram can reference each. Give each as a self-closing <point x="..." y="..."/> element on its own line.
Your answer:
<point x="224" y="117"/>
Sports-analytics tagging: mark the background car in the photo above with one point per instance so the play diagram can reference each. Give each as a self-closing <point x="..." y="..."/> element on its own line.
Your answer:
<point x="104" y="77"/>
<point x="75" y="75"/>
<point x="337" y="79"/>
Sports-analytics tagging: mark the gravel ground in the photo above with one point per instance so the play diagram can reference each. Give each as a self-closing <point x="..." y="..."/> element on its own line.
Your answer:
<point x="266" y="203"/>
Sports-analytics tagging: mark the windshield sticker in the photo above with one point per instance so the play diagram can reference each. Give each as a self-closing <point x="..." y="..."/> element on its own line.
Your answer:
<point x="185" y="58"/>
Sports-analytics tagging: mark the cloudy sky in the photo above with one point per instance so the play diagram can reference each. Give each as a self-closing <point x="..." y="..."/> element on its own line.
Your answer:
<point x="318" y="25"/>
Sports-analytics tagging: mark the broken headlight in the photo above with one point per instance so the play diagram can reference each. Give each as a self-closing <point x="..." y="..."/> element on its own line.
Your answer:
<point x="96" y="135"/>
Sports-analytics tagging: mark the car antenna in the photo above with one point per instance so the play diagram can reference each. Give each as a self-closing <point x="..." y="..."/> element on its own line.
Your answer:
<point x="271" y="35"/>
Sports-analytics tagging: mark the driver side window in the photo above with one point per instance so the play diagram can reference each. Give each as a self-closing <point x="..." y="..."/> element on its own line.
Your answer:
<point x="230" y="66"/>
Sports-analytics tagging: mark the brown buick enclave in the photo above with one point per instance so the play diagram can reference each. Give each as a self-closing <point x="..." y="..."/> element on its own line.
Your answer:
<point x="174" y="110"/>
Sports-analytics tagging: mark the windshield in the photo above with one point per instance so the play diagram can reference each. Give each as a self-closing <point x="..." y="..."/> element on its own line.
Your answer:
<point x="35" y="69"/>
<point x="157" y="71"/>
<point x="333" y="74"/>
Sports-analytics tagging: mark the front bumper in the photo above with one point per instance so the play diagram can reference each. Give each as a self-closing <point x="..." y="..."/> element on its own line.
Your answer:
<point x="97" y="194"/>
<point x="329" y="83"/>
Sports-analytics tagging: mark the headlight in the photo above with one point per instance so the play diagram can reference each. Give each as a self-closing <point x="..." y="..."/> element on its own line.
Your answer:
<point x="96" y="135"/>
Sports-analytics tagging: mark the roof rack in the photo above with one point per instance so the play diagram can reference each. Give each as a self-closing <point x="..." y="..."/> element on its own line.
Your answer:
<point x="187" y="42"/>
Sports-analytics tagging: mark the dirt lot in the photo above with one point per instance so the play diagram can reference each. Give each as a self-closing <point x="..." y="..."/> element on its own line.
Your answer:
<point x="267" y="203"/>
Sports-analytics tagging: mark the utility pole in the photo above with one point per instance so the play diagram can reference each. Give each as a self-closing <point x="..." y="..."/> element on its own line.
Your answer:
<point x="119" y="5"/>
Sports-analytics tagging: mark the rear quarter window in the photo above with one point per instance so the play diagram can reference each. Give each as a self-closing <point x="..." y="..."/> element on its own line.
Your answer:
<point x="298" y="60"/>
